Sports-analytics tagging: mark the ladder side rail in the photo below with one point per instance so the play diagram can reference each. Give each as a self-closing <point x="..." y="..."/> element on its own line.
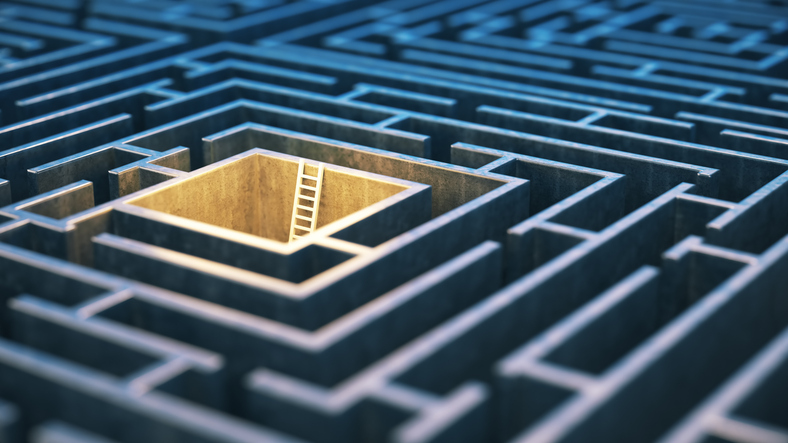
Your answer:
<point x="319" y="187"/>
<point x="295" y="200"/>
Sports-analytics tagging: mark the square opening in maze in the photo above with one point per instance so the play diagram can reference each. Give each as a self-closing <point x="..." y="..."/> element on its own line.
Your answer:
<point x="254" y="194"/>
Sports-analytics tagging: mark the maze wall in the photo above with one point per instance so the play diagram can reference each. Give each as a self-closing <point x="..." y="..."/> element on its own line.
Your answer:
<point x="543" y="221"/>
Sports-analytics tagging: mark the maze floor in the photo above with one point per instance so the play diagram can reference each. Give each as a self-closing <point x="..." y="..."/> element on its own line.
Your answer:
<point x="539" y="221"/>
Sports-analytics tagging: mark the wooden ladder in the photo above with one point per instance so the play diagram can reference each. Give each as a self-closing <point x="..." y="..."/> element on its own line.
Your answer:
<point x="308" y="205"/>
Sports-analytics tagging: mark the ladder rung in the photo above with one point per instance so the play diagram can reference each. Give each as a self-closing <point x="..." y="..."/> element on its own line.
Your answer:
<point x="306" y="198"/>
<point x="309" y="177"/>
<point x="310" y="188"/>
<point x="305" y="208"/>
<point x="301" y="217"/>
<point x="303" y="228"/>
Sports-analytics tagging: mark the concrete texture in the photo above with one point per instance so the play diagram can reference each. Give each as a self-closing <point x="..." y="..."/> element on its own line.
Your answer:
<point x="541" y="221"/>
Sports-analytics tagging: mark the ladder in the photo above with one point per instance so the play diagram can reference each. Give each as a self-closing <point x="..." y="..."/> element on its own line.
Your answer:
<point x="305" y="206"/>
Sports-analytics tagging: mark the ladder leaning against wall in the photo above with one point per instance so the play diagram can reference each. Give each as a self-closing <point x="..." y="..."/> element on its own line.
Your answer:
<point x="306" y="201"/>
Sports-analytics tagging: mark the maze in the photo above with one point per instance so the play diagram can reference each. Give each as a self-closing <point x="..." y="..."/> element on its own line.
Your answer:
<point x="539" y="221"/>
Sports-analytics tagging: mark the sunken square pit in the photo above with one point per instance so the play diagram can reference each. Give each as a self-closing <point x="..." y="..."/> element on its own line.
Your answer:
<point x="254" y="193"/>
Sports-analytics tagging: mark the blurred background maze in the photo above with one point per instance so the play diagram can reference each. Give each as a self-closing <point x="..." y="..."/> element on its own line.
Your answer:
<point x="541" y="221"/>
